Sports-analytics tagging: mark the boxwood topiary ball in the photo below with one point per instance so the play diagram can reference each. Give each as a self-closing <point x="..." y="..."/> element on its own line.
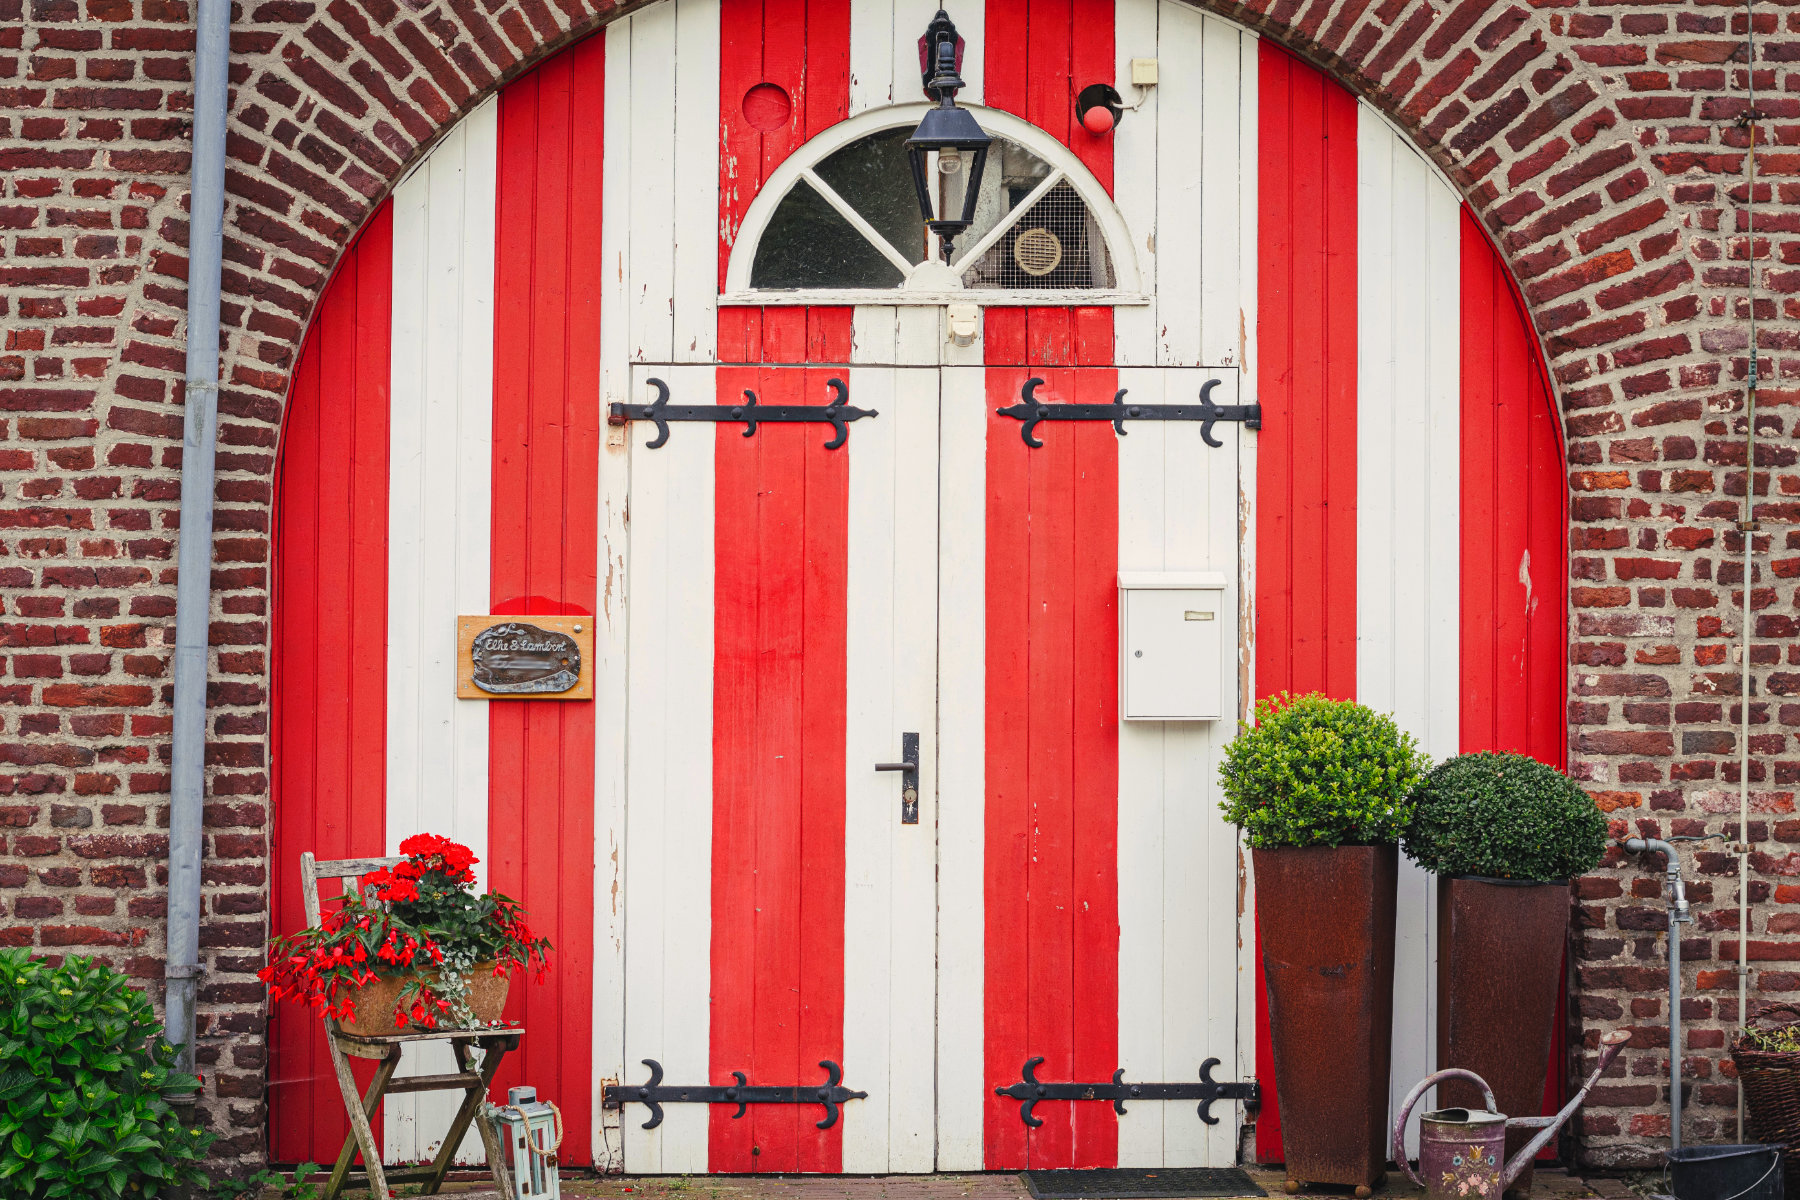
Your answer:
<point x="1314" y="771"/>
<point x="1505" y="816"/>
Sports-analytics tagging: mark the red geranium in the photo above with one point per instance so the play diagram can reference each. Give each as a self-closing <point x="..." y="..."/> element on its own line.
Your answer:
<point x="404" y="919"/>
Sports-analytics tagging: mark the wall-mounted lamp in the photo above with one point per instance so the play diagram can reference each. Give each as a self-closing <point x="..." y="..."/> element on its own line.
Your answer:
<point x="952" y="135"/>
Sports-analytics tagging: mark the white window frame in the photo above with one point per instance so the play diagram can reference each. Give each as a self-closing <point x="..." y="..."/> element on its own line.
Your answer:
<point x="1064" y="167"/>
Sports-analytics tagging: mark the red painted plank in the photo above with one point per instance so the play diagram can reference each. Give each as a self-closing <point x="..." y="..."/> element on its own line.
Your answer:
<point x="1049" y="54"/>
<point x="1306" y="458"/>
<point x="1050" y="336"/>
<point x="1006" y="1045"/>
<point x="827" y="64"/>
<point x="781" y="572"/>
<point x="740" y="143"/>
<point x="783" y="335"/>
<point x="1004" y="69"/>
<point x="1003" y="338"/>
<point x="329" y="723"/>
<point x="545" y="513"/>
<point x="1514" y="549"/>
<point x="1091" y="61"/>
<point x="1095" y="742"/>
<point x="740" y="334"/>
<point x="828" y="333"/>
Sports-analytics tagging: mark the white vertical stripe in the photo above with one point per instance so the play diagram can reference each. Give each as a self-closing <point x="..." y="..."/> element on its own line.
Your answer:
<point x="695" y="301"/>
<point x="871" y="54"/>
<point x="653" y="153"/>
<point x="1181" y="191"/>
<point x="872" y="329"/>
<point x="611" y="650"/>
<point x="1134" y="176"/>
<point x="1249" y="78"/>
<point x="891" y="689"/>
<point x="1178" y="504"/>
<point x="669" y="787"/>
<point x="1408" y="431"/>
<point x="439" y="504"/>
<point x="962" y="771"/>
<point x="1220" y="155"/>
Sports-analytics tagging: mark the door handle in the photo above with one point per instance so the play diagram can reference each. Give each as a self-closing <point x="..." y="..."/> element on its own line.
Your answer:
<point x="909" y="777"/>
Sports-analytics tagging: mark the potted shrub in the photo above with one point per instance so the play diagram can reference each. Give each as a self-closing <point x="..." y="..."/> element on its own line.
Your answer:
<point x="1320" y="789"/>
<point x="84" y="1076"/>
<point x="1505" y="834"/>
<point x="414" y="945"/>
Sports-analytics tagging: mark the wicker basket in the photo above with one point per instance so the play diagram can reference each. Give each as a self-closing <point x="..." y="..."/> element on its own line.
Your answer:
<point x="1771" y="1082"/>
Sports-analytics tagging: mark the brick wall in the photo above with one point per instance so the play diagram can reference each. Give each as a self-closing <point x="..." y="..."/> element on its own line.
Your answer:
<point x="1599" y="141"/>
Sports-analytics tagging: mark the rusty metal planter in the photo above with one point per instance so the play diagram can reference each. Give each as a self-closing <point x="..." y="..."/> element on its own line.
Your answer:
<point x="1500" y="969"/>
<point x="1326" y="918"/>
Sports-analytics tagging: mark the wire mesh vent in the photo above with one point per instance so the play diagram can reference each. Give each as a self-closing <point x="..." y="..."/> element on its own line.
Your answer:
<point x="1054" y="245"/>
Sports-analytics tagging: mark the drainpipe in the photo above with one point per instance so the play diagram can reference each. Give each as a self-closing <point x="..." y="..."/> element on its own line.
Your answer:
<point x="193" y="589"/>
<point x="1678" y="915"/>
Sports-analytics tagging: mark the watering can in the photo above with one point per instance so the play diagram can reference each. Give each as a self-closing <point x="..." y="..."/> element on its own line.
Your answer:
<point x="1462" y="1151"/>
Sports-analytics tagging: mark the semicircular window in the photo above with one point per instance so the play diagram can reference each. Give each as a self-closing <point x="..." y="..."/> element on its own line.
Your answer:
<point x="852" y="221"/>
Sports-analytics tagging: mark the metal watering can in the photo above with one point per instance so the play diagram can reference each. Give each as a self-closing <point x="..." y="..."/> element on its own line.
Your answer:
<point x="1462" y="1151"/>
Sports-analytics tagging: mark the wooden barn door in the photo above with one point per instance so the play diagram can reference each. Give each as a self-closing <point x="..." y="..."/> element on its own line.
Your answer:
<point x="782" y="642"/>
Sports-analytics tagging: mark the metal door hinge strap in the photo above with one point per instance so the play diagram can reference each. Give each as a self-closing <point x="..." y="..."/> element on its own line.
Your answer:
<point x="1118" y="1091"/>
<point x="654" y="1094"/>
<point x="1031" y="410"/>
<point x="838" y="414"/>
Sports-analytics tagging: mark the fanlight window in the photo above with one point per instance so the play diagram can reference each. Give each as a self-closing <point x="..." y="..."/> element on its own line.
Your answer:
<point x="850" y="221"/>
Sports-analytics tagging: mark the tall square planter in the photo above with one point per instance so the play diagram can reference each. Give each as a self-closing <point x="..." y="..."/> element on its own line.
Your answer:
<point x="1326" y="920"/>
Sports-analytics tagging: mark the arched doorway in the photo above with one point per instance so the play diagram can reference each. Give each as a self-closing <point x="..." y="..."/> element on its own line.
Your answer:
<point x="1394" y="532"/>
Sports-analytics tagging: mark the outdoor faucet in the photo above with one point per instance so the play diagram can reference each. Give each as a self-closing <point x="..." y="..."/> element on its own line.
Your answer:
<point x="1678" y="916"/>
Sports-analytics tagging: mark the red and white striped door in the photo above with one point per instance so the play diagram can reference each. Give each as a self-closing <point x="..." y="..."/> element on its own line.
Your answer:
<point x="795" y="611"/>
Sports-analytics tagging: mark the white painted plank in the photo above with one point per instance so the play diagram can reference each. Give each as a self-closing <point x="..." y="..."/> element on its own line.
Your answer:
<point x="1142" y="1022"/>
<point x="871" y="54"/>
<point x="441" y="420"/>
<point x="668" y="923"/>
<point x="1220" y="155"/>
<point x="1248" y="994"/>
<point x="918" y="334"/>
<point x="961" y="792"/>
<point x="911" y="1145"/>
<point x="872" y="731"/>
<point x="1181" y="195"/>
<point x="653" y="202"/>
<point x="1407" y="510"/>
<point x="696" y="209"/>
<point x="611" y="648"/>
<point x="872" y="331"/>
<point x="1134" y="176"/>
<point x="910" y="19"/>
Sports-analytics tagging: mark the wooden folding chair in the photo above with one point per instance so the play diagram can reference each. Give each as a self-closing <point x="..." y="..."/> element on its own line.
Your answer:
<point x="387" y="1048"/>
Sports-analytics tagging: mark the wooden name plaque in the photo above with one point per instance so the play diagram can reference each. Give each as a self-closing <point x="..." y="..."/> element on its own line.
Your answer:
<point x="524" y="658"/>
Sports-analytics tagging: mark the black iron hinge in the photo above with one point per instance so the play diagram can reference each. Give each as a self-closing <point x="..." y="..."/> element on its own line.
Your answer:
<point x="1031" y="410"/>
<point x="838" y="414"/>
<point x="1118" y="1091"/>
<point x="654" y="1094"/>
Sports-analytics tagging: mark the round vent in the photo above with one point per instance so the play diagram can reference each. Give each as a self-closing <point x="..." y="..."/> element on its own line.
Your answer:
<point x="1037" y="251"/>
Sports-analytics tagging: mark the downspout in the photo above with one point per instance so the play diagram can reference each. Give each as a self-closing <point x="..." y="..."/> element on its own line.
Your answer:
<point x="193" y="588"/>
<point x="1747" y="528"/>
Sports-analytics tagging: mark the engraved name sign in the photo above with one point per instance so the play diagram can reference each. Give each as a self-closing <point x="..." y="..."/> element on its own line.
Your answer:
<point x="529" y="658"/>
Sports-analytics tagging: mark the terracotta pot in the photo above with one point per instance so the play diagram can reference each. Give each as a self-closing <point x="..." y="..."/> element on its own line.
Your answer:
<point x="374" y="1001"/>
<point x="1500" y="970"/>
<point x="1326" y="918"/>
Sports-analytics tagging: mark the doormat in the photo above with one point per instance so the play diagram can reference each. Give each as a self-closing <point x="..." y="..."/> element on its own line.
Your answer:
<point x="1121" y="1184"/>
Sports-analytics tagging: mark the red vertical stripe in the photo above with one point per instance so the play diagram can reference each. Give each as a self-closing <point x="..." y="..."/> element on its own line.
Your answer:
<point x="1051" y="947"/>
<point x="1306" y="455"/>
<point x="1514" y="529"/>
<point x="546" y="495"/>
<point x="329" y="667"/>
<point x="1067" y="45"/>
<point x="779" y="719"/>
<point x="799" y="46"/>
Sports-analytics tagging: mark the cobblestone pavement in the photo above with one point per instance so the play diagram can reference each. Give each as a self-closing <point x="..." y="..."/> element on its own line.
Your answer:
<point x="1550" y="1185"/>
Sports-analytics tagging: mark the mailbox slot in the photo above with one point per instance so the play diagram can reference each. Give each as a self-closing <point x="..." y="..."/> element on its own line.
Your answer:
<point x="1172" y="637"/>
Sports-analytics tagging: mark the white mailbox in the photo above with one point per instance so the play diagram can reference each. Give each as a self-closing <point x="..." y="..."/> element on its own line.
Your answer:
<point x="1171" y="641"/>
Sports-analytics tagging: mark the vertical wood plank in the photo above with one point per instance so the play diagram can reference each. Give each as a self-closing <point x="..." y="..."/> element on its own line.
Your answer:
<point x="696" y="200"/>
<point x="1135" y="167"/>
<point x="655" y="152"/>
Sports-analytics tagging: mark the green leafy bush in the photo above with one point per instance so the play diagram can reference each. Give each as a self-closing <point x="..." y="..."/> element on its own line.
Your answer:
<point x="1505" y="816"/>
<point x="83" y="1069"/>
<point x="1314" y="771"/>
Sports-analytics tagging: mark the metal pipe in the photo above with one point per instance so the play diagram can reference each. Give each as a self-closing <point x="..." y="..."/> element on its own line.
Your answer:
<point x="193" y="588"/>
<point x="1678" y="915"/>
<point x="1747" y="527"/>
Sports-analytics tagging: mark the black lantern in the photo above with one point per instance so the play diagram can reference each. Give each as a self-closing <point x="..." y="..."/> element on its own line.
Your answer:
<point x="950" y="133"/>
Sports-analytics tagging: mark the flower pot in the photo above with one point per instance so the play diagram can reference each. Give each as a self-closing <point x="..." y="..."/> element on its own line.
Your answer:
<point x="1326" y="920"/>
<point x="374" y="1001"/>
<point x="1500" y="970"/>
